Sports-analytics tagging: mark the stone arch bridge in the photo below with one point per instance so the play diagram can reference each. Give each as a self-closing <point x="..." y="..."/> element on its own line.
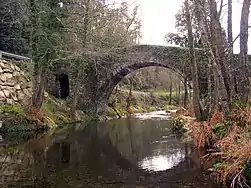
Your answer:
<point x="105" y="70"/>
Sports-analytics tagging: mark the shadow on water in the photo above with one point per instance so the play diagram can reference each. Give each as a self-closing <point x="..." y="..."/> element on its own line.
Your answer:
<point x="130" y="152"/>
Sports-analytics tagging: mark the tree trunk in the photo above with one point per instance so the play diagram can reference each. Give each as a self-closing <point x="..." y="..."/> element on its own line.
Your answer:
<point x="244" y="80"/>
<point x="218" y="47"/>
<point x="38" y="95"/>
<point x="185" y="93"/>
<point x="230" y="44"/>
<point x="179" y="94"/>
<point x="196" y="91"/>
<point x="170" y="90"/>
<point x="212" y="39"/>
<point x="129" y="98"/>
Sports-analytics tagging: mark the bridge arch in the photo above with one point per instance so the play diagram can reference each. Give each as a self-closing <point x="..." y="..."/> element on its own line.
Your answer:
<point x="115" y="79"/>
<point x="113" y="66"/>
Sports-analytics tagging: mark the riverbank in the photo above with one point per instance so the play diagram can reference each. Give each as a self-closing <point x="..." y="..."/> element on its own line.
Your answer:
<point x="54" y="112"/>
<point x="140" y="102"/>
<point x="227" y="144"/>
<point x="15" y="118"/>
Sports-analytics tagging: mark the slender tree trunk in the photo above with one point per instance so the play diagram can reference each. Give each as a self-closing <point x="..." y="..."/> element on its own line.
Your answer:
<point x="196" y="91"/>
<point x="170" y="90"/>
<point x="209" y="88"/>
<point x="244" y="82"/>
<point x="230" y="44"/>
<point x="178" y="94"/>
<point x="185" y="93"/>
<point x="129" y="98"/>
<point x="218" y="46"/>
<point x="212" y="39"/>
<point x="38" y="95"/>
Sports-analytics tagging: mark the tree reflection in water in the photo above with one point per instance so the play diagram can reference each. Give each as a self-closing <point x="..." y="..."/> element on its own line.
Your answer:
<point x="117" y="153"/>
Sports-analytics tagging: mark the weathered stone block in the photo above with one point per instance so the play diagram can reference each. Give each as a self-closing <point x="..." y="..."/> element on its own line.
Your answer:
<point x="16" y="74"/>
<point x="12" y="67"/>
<point x="5" y="76"/>
<point x="2" y="64"/>
<point x="17" y="68"/>
<point x="20" y="95"/>
<point x="5" y="87"/>
<point x="27" y="92"/>
<point x="6" y="93"/>
<point x="22" y="73"/>
<point x="2" y="96"/>
<point x="17" y="87"/>
<point x="14" y="97"/>
<point x="9" y="83"/>
<point x="7" y="71"/>
<point x="10" y="101"/>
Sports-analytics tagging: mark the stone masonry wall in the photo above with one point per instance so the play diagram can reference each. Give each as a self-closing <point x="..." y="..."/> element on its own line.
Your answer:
<point x="15" y="84"/>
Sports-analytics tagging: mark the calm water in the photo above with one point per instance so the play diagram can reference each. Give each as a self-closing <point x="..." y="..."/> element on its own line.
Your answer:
<point x="139" y="151"/>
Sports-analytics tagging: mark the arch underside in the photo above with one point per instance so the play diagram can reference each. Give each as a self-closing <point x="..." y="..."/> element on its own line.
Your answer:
<point x="124" y="71"/>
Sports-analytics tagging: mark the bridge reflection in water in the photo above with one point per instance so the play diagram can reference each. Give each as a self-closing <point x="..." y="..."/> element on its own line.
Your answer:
<point x="119" y="153"/>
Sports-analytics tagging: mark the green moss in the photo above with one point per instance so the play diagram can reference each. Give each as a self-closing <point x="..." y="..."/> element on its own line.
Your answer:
<point x="48" y="107"/>
<point x="13" y="109"/>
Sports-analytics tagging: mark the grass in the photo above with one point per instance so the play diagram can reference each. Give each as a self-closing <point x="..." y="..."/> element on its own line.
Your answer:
<point x="141" y="101"/>
<point x="19" y="118"/>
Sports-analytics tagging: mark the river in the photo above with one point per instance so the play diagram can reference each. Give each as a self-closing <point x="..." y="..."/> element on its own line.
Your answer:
<point x="138" y="151"/>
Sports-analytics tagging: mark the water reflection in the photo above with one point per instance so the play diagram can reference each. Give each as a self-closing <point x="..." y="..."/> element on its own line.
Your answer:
<point x="162" y="162"/>
<point x="158" y="115"/>
<point x="118" y="153"/>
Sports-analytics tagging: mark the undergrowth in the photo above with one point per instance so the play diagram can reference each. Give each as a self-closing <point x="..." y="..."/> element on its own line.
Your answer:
<point x="232" y="138"/>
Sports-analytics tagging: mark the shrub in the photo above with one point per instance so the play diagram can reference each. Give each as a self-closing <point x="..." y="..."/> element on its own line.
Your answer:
<point x="178" y="124"/>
